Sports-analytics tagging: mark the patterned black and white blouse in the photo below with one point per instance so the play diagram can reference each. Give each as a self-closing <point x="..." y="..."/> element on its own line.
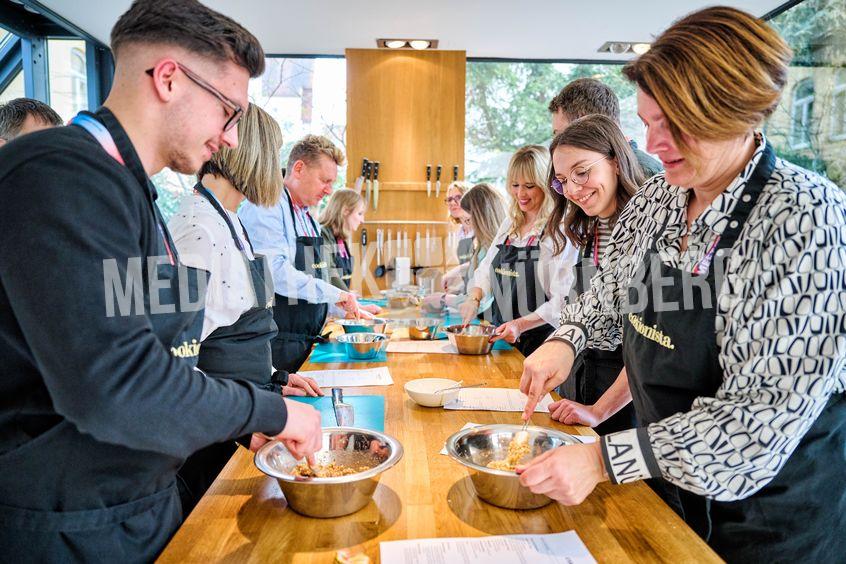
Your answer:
<point x="780" y="328"/>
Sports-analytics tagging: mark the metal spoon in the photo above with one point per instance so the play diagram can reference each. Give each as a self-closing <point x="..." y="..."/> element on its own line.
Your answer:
<point x="460" y="387"/>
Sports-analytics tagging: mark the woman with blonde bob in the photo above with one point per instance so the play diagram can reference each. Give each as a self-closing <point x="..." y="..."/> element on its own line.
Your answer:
<point x="522" y="272"/>
<point x="238" y="324"/>
<point x="725" y="280"/>
<point x="484" y="208"/>
<point x="343" y="215"/>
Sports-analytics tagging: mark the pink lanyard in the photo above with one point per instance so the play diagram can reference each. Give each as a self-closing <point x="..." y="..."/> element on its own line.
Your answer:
<point x="342" y="248"/>
<point x="107" y="142"/>
<point x="705" y="262"/>
<point x="596" y="245"/>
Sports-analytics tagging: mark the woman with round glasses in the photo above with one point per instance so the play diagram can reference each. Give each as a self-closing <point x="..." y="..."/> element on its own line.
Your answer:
<point x="725" y="281"/>
<point x="453" y="281"/>
<point x="594" y="174"/>
<point x="523" y="272"/>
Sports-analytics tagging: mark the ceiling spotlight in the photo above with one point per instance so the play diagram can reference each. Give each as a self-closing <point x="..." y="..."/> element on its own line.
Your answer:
<point x="618" y="47"/>
<point x="623" y="47"/>
<point x="417" y="44"/>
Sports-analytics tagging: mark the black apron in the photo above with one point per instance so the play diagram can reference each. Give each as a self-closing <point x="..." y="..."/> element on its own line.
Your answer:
<point x="515" y="284"/>
<point x="464" y="250"/>
<point x="240" y="351"/>
<point x="595" y="370"/>
<point x="137" y="529"/>
<point x="801" y="514"/>
<point x="300" y="322"/>
<point x="344" y="264"/>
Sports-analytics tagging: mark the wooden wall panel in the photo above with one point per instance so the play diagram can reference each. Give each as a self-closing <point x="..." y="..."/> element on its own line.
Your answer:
<point x="405" y="109"/>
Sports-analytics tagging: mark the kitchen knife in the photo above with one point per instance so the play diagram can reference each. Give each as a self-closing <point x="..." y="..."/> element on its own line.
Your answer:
<point x="359" y="182"/>
<point x="363" y="249"/>
<point x="438" y="182"/>
<point x="376" y="185"/>
<point x="368" y="182"/>
<point x="344" y="412"/>
<point x="428" y="181"/>
<point x="380" y="268"/>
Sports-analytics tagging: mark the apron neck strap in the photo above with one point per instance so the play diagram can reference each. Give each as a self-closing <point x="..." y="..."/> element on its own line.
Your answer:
<point x="751" y="192"/>
<point x="123" y="155"/>
<point x="207" y="194"/>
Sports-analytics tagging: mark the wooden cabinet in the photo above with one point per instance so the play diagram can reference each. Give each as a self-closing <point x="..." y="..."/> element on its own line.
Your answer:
<point x="405" y="109"/>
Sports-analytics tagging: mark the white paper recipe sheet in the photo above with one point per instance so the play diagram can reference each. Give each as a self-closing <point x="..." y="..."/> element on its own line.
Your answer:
<point x="495" y="399"/>
<point x="557" y="548"/>
<point x="380" y="376"/>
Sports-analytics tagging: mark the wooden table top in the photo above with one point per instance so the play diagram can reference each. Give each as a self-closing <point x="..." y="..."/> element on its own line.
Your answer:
<point x="244" y="517"/>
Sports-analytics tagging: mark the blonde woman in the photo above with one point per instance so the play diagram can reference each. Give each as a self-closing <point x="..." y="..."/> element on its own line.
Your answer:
<point x="486" y="212"/>
<point x="523" y="272"/>
<point x="343" y="215"/>
<point x="238" y="324"/>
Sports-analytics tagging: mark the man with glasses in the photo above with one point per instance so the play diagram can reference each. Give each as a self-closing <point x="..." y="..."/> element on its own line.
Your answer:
<point x="586" y="96"/>
<point x="99" y="319"/>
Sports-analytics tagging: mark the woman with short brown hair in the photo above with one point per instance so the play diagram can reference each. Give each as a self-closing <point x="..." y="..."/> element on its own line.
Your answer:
<point x="725" y="280"/>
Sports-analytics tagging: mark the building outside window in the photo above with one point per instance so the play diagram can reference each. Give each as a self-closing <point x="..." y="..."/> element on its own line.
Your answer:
<point x="809" y="126"/>
<point x="67" y="77"/>
<point x="304" y="95"/>
<point x="838" y="108"/>
<point x="802" y="114"/>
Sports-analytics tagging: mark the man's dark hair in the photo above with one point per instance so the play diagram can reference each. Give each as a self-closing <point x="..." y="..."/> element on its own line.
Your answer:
<point x="192" y="26"/>
<point x="14" y="113"/>
<point x="585" y="96"/>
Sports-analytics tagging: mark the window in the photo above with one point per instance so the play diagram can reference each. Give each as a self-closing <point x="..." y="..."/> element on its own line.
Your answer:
<point x="79" y="80"/>
<point x="15" y="89"/>
<point x="802" y="115"/>
<point x="809" y="126"/>
<point x="507" y="107"/>
<point x="68" y="81"/>
<point x="304" y="95"/>
<point x="838" y="108"/>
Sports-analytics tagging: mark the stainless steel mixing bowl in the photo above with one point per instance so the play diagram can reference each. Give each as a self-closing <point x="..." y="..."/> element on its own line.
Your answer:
<point x="473" y="339"/>
<point x="363" y="346"/>
<point x="375" y="325"/>
<point x="333" y="497"/>
<point x="419" y="329"/>
<point x="476" y="447"/>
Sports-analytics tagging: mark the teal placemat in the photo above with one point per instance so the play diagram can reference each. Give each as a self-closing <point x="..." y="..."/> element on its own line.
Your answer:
<point x="381" y="302"/>
<point x="335" y="352"/>
<point x="369" y="410"/>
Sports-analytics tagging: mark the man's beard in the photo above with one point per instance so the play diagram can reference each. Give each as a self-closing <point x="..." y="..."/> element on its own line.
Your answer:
<point x="179" y="161"/>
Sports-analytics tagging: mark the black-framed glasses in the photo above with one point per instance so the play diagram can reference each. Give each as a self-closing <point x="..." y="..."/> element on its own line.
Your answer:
<point x="451" y="199"/>
<point x="235" y="108"/>
<point x="579" y="176"/>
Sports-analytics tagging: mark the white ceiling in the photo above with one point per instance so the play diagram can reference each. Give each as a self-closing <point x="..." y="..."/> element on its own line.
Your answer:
<point x="537" y="29"/>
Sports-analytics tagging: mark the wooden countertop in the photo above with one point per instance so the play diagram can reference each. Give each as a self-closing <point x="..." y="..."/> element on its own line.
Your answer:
<point x="243" y="517"/>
